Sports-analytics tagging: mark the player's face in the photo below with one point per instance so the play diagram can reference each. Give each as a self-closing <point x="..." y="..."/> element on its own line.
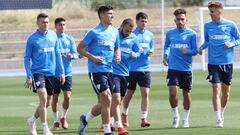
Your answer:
<point x="107" y="17"/>
<point x="60" y="27"/>
<point x="142" y="23"/>
<point x="180" y="20"/>
<point x="215" y="13"/>
<point x="43" y="24"/>
<point x="126" y="30"/>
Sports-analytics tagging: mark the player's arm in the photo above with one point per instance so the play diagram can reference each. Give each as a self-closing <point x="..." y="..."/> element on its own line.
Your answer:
<point x="235" y="34"/>
<point x="151" y="46"/>
<point x="27" y="64"/>
<point x="73" y="51"/>
<point x="166" y="50"/>
<point x="205" y="43"/>
<point x="117" y="51"/>
<point x="135" y="50"/>
<point x="59" y="63"/>
<point x="192" y="50"/>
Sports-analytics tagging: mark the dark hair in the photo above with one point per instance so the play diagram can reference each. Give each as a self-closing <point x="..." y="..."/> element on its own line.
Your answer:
<point x="215" y="4"/>
<point x="42" y="15"/>
<point x="179" y="11"/>
<point x="141" y="15"/>
<point x="103" y="9"/>
<point x="128" y="21"/>
<point x="58" y="20"/>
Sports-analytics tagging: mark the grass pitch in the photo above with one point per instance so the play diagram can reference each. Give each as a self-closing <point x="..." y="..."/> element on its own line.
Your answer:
<point x="18" y="103"/>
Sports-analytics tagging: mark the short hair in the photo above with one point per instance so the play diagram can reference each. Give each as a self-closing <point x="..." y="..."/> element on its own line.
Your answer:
<point x="141" y="15"/>
<point x="58" y="20"/>
<point x="215" y="4"/>
<point x="128" y="21"/>
<point x="103" y="9"/>
<point x="179" y="11"/>
<point x="42" y="15"/>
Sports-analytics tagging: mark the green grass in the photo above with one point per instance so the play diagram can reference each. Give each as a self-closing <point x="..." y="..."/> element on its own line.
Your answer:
<point x="17" y="104"/>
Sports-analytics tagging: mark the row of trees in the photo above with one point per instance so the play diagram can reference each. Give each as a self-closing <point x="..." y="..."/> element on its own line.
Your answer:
<point x="122" y="4"/>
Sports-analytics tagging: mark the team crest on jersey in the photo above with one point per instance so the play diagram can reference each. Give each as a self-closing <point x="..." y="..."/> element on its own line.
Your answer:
<point x="223" y="28"/>
<point x="184" y="37"/>
<point x="51" y="39"/>
<point x="67" y="42"/>
<point x="147" y="39"/>
<point x="128" y="41"/>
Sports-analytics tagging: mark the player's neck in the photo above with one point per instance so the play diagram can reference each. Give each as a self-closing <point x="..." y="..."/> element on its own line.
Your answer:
<point x="106" y="25"/>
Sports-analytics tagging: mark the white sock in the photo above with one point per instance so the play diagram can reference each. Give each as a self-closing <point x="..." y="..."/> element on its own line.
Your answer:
<point x="222" y="111"/>
<point x="32" y="119"/>
<point x="64" y="113"/>
<point x="119" y="123"/>
<point x="144" y="114"/>
<point x="186" y="114"/>
<point x="218" y="115"/>
<point x="112" y="120"/>
<point x="107" y="128"/>
<point x="89" y="116"/>
<point x="55" y="117"/>
<point x="125" y="111"/>
<point x="175" y="112"/>
<point x="45" y="127"/>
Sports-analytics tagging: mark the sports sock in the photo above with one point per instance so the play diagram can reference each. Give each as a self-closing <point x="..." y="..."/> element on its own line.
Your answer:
<point x="125" y="111"/>
<point x="186" y="114"/>
<point x="45" y="127"/>
<point x="89" y="116"/>
<point x="218" y="115"/>
<point x="64" y="113"/>
<point x="55" y="117"/>
<point x="119" y="123"/>
<point x="175" y="112"/>
<point x="107" y="128"/>
<point x="144" y="114"/>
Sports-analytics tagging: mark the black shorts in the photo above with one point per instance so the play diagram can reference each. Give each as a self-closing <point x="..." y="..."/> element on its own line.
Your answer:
<point x="42" y="81"/>
<point x="67" y="86"/>
<point x="183" y="79"/>
<point x="220" y="73"/>
<point x="121" y="83"/>
<point x="101" y="81"/>
<point x="142" y="78"/>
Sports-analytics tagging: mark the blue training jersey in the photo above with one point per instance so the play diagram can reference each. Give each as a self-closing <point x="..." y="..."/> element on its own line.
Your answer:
<point x="67" y="45"/>
<point x="215" y="35"/>
<point x="127" y="44"/>
<point x="146" y="44"/>
<point x="175" y="40"/>
<point x="42" y="54"/>
<point x="101" y="41"/>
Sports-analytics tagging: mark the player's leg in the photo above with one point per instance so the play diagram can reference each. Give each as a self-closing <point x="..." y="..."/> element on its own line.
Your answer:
<point x="127" y="98"/>
<point x="173" y="83"/>
<point x="67" y="91"/>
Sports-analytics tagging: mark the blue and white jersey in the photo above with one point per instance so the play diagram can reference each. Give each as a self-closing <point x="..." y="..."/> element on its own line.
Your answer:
<point x="146" y="44"/>
<point x="127" y="44"/>
<point x="101" y="41"/>
<point x="175" y="40"/>
<point x="67" y="45"/>
<point x="215" y="35"/>
<point x="42" y="54"/>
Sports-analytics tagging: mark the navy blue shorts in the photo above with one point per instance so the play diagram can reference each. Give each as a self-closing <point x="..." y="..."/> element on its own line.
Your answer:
<point x="101" y="81"/>
<point x="220" y="73"/>
<point x="121" y="83"/>
<point x="183" y="79"/>
<point x="42" y="81"/>
<point x="142" y="78"/>
<point x="67" y="86"/>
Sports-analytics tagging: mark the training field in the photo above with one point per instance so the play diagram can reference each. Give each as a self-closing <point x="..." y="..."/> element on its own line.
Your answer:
<point x="18" y="103"/>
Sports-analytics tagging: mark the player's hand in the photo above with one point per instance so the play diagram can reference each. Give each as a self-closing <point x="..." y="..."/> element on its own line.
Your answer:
<point x="184" y="50"/>
<point x="117" y="59"/>
<point x="227" y="44"/>
<point x="200" y="50"/>
<point x="28" y="83"/>
<point x="150" y="53"/>
<point x="165" y="61"/>
<point x="97" y="59"/>
<point x="132" y="54"/>
<point x="62" y="79"/>
<point x="69" y="55"/>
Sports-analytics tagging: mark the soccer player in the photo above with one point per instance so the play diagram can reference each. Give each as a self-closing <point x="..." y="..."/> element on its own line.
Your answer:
<point x="102" y="43"/>
<point x="140" y="70"/>
<point x="220" y="58"/>
<point x="69" y="53"/>
<point x="42" y="54"/>
<point x="180" y="46"/>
